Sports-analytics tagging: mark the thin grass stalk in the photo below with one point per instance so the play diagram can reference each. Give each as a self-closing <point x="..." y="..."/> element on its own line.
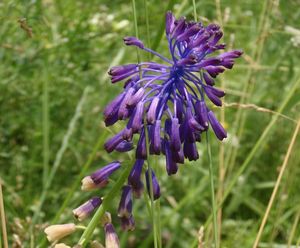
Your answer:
<point x="221" y="175"/>
<point x="147" y="27"/>
<point x="294" y="227"/>
<point x="195" y="10"/>
<point x="87" y="234"/>
<point x="46" y="149"/>
<point x="280" y="209"/>
<point x="278" y="181"/>
<point x="3" y="220"/>
<point x="213" y="201"/>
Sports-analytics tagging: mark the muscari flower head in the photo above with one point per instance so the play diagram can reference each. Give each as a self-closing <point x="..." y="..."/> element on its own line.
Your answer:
<point x="170" y="100"/>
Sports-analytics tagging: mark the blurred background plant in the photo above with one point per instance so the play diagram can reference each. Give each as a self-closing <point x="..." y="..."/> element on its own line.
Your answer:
<point x="54" y="61"/>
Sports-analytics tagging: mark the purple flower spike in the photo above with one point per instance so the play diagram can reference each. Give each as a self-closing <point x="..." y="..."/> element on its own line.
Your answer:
<point x="169" y="99"/>
<point x="99" y="179"/>
<point x="127" y="224"/>
<point x="216" y="126"/>
<point x="125" y="206"/>
<point x="134" y="178"/>
<point x="132" y="41"/>
<point x="87" y="208"/>
<point x="155" y="185"/>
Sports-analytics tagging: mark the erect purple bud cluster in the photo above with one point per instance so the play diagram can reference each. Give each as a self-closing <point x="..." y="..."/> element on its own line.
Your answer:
<point x="167" y="106"/>
<point x="172" y="98"/>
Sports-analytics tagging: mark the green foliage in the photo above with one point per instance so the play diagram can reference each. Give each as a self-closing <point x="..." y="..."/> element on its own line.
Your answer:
<point x="73" y="43"/>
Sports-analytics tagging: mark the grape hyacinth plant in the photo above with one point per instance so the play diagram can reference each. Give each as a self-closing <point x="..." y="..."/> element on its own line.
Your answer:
<point x="167" y="107"/>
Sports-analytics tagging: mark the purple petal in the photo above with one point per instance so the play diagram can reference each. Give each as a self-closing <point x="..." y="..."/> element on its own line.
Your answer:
<point x="113" y="142"/>
<point x="190" y="151"/>
<point x="155" y="137"/>
<point x="138" y="117"/>
<point x="216" y="126"/>
<point x="111" y="237"/>
<point x="194" y="29"/>
<point x="213" y="71"/>
<point x="170" y="19"/>
<point x="141" y="151"/>
<point x="151" y="114"/>
<point x="175" y="137"/>
<point x="208" y="79"/>
<point x="171" y="165"/>
<point x="103" y="173"/>
<point x="179" y="28"/>
<point x="125" y="205"/>
<point x="215" y="99"/>
<point x="136" y="97"/>
<point x="124" y="146"/>
<point x="134" y="178"/>
<point x="87" y="208"/>
<point x="155" y="185"/>
<point x="123" y="110"/>
<point x="201" y="110"/>
<point x="127" y="224"/>
<point x="133" y="41"/>
<point x="122" y="69"/>
<point x="178" y="156"/>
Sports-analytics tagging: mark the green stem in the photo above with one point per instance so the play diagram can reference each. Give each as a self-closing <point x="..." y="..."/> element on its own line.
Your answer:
<point x="45" y="130"/>
<point x="147" y="27"/>
<point x="195" y="10"/>
<point x="136" y="34"/>
<point x="86" y="236"/>
<point x="213" y="202"/>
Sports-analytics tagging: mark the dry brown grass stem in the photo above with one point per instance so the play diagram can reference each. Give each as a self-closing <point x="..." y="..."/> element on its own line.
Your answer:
<point x="278" y="181"/>
<point x="257" y="108"/>
<point x="3" y="221"/>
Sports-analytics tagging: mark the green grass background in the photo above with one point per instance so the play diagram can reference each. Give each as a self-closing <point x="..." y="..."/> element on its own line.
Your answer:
<point x="54" y="86"/>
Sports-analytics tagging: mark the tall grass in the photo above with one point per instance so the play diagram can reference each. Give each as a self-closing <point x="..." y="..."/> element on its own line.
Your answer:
<point x="51" y="130"/>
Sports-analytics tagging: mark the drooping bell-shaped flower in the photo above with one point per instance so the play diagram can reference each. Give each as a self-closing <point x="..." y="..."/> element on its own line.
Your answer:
<point x="84" y="210"/>
<point x="99" y="178"/>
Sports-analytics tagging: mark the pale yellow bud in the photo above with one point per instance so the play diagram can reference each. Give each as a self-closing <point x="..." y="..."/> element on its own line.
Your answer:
<point x="56" y="232"/>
